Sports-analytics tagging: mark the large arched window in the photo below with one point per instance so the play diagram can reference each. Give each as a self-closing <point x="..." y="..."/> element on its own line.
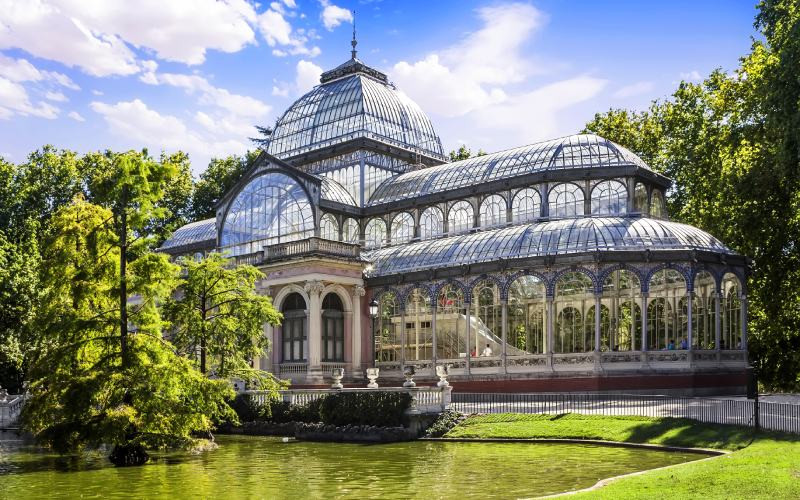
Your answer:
<point x="731" y="299"/>
<point x="565" y="200"/>
<point x="293" y="328"/>
<point x="387" y="337"/>
<point x="527" y="318"/>
<point x="493" y="211"/>
<point x="704" y="311"/>
<point x="451" y="323"/>
<point x="664" y="327"/>
<point x="526" y="205"/>
<point x="486" y="319"/>
<point x="573" y="299"/>
<point x="621" y="298"/>
<point x="657" y="206"/>
<point x="640" y="198"/>
<point x="419" y="332"/>
<point x="609" y="198"/>
<point x="375" y="233"/>
<point x="328" y="227"/>
<point x="460" y="217"/>
<point x="271" y="208"/>
<point x="332" y="328"/>
<point x="402" y="228"/>
<point x="431" y="223"/>
<point x="350" y="231"/>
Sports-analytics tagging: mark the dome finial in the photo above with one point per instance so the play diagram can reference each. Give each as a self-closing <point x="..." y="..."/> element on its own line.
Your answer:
<point x="354" y="42"/>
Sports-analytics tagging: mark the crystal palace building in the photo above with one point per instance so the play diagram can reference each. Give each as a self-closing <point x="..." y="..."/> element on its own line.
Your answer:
<point x="548" y="267"/>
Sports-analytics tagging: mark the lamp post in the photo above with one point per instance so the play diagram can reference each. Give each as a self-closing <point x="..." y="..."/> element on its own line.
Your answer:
<point x="373" y="313"/>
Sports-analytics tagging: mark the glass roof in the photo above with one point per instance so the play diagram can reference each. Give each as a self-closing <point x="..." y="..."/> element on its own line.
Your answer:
<point x="574" y="151"/>
<point x="559" y="237"/>
<point x="333" y="191"/>
<point x="196" y="232"/>
<point x="351" y="107"/>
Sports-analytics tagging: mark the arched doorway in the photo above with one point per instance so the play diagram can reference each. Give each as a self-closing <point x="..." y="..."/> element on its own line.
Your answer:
<point x="293" y="329"/>
<point x="332" y="328"/>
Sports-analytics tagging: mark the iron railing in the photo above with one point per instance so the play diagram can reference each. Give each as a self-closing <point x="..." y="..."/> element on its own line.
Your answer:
<point x="783" y="417"/>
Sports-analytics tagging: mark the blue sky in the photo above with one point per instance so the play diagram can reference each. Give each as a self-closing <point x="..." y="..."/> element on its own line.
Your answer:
<point x="197" y="74"/>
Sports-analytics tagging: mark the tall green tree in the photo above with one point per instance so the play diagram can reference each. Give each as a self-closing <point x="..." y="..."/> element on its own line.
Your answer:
<point x="220" y="316"/>
<point x="215" y="181"/>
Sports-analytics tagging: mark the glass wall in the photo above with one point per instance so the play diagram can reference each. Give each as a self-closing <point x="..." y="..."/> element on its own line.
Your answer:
<point x="328" y="227"/>
<point x="526" y="205"/>
<point x="460" y="217"/>
<point x="493" y="211"/>
<point x="350" y="231"/>
<point x="294" y="329"/>
<point x="658" y="207"/>
<point x="387" y="336"/>
<point x="451" y="323"/>
<point x="402" y="228"/>
<point x="572" y="301"/>
<point x="665" y="329"/>
<point x="431" y="223"/>
<point x="419" y="331"/>
<point x="731" y="299"/>
<point x="527" y="316"/>
<point x="375" y="233"/>
<point x="487" y="322"/>
<point x="609" y="198"/>
<point x="704" y="311"/>
<point x="565" y="200"/>
<point x="640" y="198"/>
<point x="621" y="300"/>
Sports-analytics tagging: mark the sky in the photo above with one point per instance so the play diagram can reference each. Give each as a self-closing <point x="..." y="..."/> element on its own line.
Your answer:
<point x="196" y="75"/>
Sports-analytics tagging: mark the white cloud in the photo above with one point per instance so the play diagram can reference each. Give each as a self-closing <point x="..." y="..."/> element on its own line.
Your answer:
<point x="692" y="76"/>
<point x="633" y="89"/>
<point x="20" y="70"/>
<point x="14" y="100"/>
<point x="97" y="92"/>
<point x="139" y="126"/>
<point x="281" y="89"/>
<point x="307" y="76"/>
<point x="210" y="95"/>
<point x="76" y="116"/>
<point x="333" y="15"/>
<point x="55" y="96"/>
<point x="278" y="33"/>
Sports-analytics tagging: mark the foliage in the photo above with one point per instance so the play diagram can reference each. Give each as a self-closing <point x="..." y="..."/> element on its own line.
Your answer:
<point x="249" y="409"/>
<point x="218" y="179"/>
<point x="264" y="134"/>
<point x="730" y="143"/>
<point x="463" y="153"/>
<point x="220" y="316"/>
<point x="444" y="422"/>
<point x="379" y="408"/>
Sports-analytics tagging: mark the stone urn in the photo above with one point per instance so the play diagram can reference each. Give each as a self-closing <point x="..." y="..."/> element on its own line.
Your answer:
<point x="3" y="395"/>
<point x="442" y="371"/>
<point x="337" y="374"/>
<point x="372" y="375"/>
<point x="408" y="373"/>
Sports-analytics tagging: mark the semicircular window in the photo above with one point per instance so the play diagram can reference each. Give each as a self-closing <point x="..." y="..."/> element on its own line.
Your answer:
<point x="271" y="208"/>
<point x="565" y="200"/>
<point x="609" y="198"/>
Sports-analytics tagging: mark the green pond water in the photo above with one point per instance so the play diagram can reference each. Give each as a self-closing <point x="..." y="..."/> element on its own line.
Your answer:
<point x="264" y="467"/>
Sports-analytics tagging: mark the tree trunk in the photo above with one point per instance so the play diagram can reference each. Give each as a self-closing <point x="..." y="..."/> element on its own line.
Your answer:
<point x="123" y="284"/>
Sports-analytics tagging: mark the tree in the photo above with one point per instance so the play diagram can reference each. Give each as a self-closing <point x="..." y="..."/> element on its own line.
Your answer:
<point x="264" y="135"/>
<point x="86" y="387"/>
<point x="464" y="153"/>
<point x="220" y="176"/>
<point x="220" y="316"/>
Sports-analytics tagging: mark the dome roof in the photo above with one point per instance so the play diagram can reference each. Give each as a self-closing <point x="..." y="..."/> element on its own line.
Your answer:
<point x="354" y="101"/>
<point x="333" y="191"/>
<point x="574" y="151"/>
<point x="202" y="233"/>
<point x="559" y="237"/>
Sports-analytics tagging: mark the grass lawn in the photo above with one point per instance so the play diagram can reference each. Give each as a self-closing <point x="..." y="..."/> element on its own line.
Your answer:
<point x="762" y="465"/>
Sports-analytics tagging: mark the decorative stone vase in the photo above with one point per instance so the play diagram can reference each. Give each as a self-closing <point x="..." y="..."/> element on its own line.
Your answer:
<point x="3" y="395"/>
<point x="372" y="375"/>
<point x="408" y="373"/>
<point x="442" y="371"/>
<point x="337" y="374"/>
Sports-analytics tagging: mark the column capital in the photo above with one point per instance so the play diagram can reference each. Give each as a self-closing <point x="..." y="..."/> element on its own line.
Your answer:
<point x="314" y="287"/>
<point x="359" y="291"/>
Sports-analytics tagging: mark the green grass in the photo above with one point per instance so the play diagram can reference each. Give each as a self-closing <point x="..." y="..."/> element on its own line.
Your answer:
<point x="762" y="465"/>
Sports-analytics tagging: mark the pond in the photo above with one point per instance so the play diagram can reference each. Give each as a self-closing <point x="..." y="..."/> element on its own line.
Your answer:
<point x="265" y="467"/>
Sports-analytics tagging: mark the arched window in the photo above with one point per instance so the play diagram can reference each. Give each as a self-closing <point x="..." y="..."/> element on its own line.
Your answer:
<point x="486" y="330"/>
<point x="493" y="211"/>
<point x="460" y="217"/>
<point x="609" y="198"/>
<point x="271" y="208"/>
<point x="640" y="198"/>
<point x="402" y="228"/>
<point x="419" y="332"/>
<point x="527" y="327"/>
<point x="431" y="223"/>
<point x="704" y="311"/>
<point x="565" y="200"/>
<point x="293" y="328"/>
<point x="328" y="227"/>
<point x="350" y="231"/>
<point x="622" y="296"/>
<point x="573" y="299"/>
<point x="375" y="233"/>
<point x="526" y="205"/>
<point x="451" y="323"/>
<point x="731" y="299"/>
<point x="657" y="206"/>
<point x="332" y="328"/>
<point x="387" y="338"/>
<point x="664" y="330"/>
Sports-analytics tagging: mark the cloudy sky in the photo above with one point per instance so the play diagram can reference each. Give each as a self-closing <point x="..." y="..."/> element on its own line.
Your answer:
<point x="196" y="75"/>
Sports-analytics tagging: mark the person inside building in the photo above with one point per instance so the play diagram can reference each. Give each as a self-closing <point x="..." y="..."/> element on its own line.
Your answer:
<point x="487" y="351"/>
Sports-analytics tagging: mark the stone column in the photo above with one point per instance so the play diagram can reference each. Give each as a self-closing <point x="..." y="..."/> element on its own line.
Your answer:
<point x="266" y="360"/>
<point x="504" y="329"/>
<point x="358" y="293"/>
<point x="314" y="289"/>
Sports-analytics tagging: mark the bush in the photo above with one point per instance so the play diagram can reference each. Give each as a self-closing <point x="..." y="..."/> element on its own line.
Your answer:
<point x="282" y="412"/>
<point x="378" y="408"/>
<point x="446" y="421"/>
<point x="248" y="409"/>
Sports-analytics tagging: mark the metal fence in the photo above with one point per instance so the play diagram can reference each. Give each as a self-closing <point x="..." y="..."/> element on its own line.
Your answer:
<point x="783" y="417"/>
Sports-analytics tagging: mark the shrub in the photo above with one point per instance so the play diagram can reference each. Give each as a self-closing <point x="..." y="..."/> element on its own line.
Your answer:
<point x="446" y="421"/>
<point x="378" y="408"/>
<point x="248" y="409"/>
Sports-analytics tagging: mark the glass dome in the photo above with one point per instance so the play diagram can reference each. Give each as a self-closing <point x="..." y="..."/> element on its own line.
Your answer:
<point x="203" y="231"/>
<point x="349" y="107"/>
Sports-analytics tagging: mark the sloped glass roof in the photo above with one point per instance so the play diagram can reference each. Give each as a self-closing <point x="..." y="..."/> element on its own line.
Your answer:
<point x="195" y="232"/>
<point x="333" y="191"/>
<point x="574" y="151"/>
<point x="352" y="107"/>
<point x="559" y="237"/>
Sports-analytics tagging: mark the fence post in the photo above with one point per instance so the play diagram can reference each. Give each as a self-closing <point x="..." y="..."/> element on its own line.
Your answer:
<point x="756" y="412"/>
